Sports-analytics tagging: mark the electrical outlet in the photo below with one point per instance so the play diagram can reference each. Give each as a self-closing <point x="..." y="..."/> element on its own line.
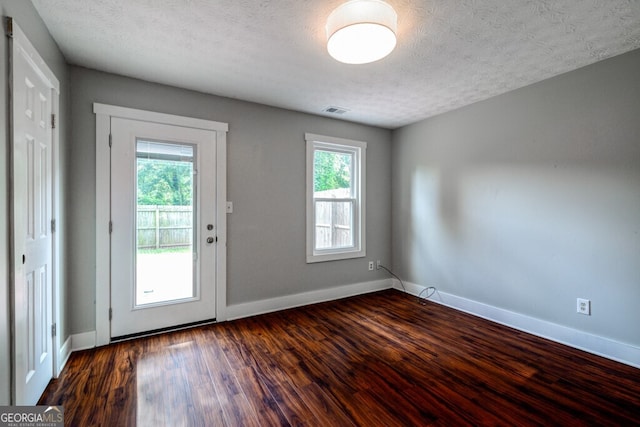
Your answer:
<point x="378" y="265"/>
<point x="584" y="306"/>
<point x="370" y="265"/>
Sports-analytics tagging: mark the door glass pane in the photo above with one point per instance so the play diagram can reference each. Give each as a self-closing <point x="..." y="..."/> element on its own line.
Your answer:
<point x="165" y="250"/>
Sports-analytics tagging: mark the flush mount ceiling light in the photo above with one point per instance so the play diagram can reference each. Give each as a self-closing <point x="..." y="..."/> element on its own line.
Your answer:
<point x="361" y="31"/>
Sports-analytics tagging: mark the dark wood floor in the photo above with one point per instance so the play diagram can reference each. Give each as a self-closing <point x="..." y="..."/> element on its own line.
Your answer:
<point x="381" y="359"/>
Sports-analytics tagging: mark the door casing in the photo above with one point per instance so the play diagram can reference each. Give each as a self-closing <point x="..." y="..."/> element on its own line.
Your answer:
<point x="104" y="113"/>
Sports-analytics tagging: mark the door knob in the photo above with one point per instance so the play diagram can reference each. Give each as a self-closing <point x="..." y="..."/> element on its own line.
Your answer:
<point x="209" y="239"/>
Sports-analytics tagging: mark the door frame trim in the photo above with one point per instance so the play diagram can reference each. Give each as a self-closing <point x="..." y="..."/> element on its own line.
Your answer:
<point x="104" y="113"/>
<point x="18" y="40"/>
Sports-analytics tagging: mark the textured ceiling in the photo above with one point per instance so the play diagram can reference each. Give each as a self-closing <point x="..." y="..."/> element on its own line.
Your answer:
<point x="450" y="53"/>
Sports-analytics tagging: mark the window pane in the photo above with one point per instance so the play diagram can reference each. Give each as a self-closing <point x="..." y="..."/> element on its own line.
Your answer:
<point x="336" y="198"/>
<point x="332" y="174"/>
<point x="334" y="224"/>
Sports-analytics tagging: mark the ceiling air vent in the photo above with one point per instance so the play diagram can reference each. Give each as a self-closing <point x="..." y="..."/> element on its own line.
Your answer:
<point x="335" y="110"/>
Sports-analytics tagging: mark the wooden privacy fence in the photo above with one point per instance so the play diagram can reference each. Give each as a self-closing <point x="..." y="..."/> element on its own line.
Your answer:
<point x="171" y="226"/>
<point x="164" y="226"/>
<point x="333" y="223"/>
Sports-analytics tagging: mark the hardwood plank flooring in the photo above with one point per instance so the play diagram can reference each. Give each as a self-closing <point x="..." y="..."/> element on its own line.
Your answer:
<point x="381" y="359"/>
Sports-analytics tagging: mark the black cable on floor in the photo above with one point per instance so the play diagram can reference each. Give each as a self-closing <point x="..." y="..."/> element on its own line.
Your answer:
<point x="421" y="298"/>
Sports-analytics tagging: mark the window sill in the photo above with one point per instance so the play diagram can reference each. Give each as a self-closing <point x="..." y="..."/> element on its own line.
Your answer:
<point x="335" y="256"/>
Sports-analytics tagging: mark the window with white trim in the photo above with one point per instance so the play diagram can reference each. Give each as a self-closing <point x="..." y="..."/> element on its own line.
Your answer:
<point x="336" y="170"/>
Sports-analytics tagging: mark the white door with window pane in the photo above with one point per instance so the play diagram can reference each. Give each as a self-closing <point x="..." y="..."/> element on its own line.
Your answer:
<point x="163" y="214"/>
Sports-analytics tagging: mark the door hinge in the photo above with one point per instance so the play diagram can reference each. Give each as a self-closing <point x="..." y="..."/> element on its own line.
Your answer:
<point x="110" y="227"/>
<point x="110" y="140"/>
<point x="53" y="330"/>
<point x="10" y="27"/>
<point x="53" y="225"/>
<point x="110" y="313"/>
<point x="53" y="121"/>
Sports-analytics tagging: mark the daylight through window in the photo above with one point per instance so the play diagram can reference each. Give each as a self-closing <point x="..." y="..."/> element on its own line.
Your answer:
<point x="335" y="194"/>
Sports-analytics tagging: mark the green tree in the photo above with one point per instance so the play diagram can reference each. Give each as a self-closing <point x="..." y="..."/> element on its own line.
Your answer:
<point x="331" y="170"/>
<point x="164" y="182"/>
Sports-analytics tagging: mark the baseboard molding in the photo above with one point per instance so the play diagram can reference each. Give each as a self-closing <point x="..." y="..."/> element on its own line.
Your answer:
<point x="601" y="346"/>
<point x="254" y="308"/>
<point x="87" y="340"/>
<point x="64" y="353"/>
<point x="83" y="341"/>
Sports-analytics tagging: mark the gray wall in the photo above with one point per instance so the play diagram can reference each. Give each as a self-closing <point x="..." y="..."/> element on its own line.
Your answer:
<point x="266" y="182"/>
<point x="524" y="201"/>
<point x="30" y="22"/>
<point x="529" y="200"/>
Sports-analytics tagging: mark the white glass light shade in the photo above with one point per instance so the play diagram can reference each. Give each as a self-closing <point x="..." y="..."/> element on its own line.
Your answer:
<point x="361" y="31"/>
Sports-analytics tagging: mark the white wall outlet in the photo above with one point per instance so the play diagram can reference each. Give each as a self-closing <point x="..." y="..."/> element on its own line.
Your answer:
<point x="584" y="306"/>
<point x="378" y="265"/>
<point x="370" y="265"/>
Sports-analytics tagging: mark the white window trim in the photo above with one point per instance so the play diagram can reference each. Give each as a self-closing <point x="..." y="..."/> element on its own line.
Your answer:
<point x="360" y="149"/>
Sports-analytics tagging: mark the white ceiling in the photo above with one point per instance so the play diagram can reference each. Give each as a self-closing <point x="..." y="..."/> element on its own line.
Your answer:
<point x="450" y="53"/>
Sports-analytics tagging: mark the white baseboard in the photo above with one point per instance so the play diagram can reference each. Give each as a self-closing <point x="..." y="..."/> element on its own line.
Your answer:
<point x="253" y="308"/>
<point x="86" y="340"/>
<point x="64" y="354"/>
<point x="83" y="340"/>
<point x="601" y="346"/>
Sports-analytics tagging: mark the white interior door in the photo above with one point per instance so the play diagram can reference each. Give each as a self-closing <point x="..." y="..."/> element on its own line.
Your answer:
<point x="32" y="99"/>
<point x="164" y="231"/>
